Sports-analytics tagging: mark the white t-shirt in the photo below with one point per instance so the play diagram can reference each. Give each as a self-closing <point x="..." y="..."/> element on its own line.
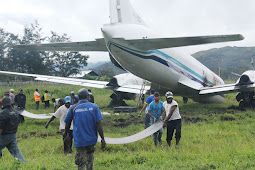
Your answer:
<point x="61" y="113"/>
<point x="56" y="103"/>
<point x="176" y="114"/>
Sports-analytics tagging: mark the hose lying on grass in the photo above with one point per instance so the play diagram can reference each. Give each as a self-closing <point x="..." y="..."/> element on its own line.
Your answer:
<point x="136" y="137"/>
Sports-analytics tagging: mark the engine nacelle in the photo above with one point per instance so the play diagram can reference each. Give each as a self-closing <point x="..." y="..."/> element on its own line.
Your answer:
<point x="246" y="78"/>
<point x="125" y="79"/>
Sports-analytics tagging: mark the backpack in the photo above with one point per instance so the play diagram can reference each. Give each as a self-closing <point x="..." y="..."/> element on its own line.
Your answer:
<point x="42" y="98"/>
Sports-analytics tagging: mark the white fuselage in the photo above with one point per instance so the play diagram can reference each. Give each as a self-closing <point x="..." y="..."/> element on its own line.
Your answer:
<point x="165" y="67"/>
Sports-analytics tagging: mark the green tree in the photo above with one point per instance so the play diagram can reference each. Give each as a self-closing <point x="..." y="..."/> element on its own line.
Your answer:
<point x="64" y="63"/>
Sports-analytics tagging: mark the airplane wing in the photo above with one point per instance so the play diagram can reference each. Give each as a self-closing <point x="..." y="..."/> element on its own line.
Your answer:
<point x="228" y="88"/>
<point x="98" y="45"/>
<point x="159" y="43"/>
<point x="81" y="82"/>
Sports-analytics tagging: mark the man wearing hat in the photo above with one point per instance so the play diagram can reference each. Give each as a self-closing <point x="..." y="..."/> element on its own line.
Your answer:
<point x="172" y="120"/>
<point x="20" y="102"/>
<point x="86" y="118"/>
<point x="61" y="114"/>
<point x="9" y="121"/>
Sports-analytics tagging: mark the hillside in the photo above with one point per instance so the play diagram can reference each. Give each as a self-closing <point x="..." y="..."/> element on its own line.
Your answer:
<point x="229" y="59"/>
<point x="109" y="67"/>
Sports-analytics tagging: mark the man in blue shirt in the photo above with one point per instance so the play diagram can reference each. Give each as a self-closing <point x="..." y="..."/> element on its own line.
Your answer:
<point x="86" y="119"/>
<point x="146" y="103"/>
<point x="156" y="111"/>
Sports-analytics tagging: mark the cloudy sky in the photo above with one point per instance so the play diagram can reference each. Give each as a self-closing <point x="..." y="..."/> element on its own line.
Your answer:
<point x="82" y="19"/>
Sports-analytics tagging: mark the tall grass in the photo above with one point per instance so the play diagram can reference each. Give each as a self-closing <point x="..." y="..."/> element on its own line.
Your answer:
<point x="214" y="136"/>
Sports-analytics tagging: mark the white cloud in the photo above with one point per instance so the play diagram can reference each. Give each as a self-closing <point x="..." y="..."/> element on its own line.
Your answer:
<point x="82" y="19"/>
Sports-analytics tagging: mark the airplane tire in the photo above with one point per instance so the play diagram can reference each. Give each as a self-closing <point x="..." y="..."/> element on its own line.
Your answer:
<point x="242" y="105"/>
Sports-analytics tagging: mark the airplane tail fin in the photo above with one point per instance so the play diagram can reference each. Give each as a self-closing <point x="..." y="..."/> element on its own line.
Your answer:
<point x="121" y="11"/>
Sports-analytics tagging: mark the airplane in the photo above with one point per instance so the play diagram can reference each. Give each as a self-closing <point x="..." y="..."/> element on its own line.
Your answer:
<point x="136" y="48"/>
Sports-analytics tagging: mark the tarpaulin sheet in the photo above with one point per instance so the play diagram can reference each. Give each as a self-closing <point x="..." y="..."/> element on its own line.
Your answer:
<point x="133" y="138"/>
<point x="36" y="116"/>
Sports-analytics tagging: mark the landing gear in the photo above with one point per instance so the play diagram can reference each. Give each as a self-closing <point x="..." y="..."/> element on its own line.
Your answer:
<point x="117" y="101"/>
<point x="246" y="100"/>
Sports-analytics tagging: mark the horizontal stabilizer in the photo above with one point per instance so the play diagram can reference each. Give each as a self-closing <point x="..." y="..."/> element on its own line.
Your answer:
<point x="228" y="88"/>
<point x="159" y="43"/>
<point x="98" y="45"/>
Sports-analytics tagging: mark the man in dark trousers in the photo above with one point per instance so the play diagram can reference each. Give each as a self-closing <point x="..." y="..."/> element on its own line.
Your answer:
<point x="9" y="121"/>
<point x="20" y="102"/>
<point x="61" y="114"/>
<point x="172" y="120"/>
<point x="86" y="119"/>
<point x="90" y="96"/>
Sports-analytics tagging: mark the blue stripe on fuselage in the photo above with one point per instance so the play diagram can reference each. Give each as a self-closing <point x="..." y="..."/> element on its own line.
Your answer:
<point x="162" y="61"/>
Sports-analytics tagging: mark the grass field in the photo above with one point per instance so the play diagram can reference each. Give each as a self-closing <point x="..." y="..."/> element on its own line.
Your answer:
<point x="214" y="136"/>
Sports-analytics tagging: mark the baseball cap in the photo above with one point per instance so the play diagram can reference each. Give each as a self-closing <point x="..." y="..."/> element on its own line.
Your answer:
<point x="156" y="94"/>
<point x="169" y="94"/>
<point x="7" y="93"/>
<point x="11" y="90"/>
<point x="71" y="92"/>
<point x="20" y="89"/>
<point x="67" y="99"/>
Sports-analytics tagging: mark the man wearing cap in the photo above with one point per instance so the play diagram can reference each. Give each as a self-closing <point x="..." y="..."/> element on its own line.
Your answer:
<point x="145" y="107"/>
<point x="74" y="98"/>
<point x="47" y="99"/>
<point x="37" y="98"/>
<point x="156" y="111"/>
<point x="20" y="102"/>
<point x="61" y="113"/>
<point x="9" y="121"/>
<point x="172" y="120"/>
<point x="12" y="96"/>
<point x="86" y="119"/>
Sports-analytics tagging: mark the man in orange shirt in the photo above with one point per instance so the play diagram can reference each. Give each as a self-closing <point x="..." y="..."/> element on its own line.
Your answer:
<point x="37" y="98"/>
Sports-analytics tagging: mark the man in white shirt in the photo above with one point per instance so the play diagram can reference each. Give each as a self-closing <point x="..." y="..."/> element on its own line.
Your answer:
<point x="61" y="113"/>
<point x="172" y="120"/>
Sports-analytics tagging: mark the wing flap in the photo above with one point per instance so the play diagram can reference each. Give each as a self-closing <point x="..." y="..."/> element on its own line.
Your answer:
<point x="229" y="88"/>
<point x="159" y="43"/>
<point x="81" y="82"/>
<point x="97" y="45"/>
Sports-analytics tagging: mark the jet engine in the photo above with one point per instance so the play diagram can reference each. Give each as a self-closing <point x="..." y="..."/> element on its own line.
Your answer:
<point x="247" y="78"/>
<point x="246" y="97"/>
<point x="122" y="80"/>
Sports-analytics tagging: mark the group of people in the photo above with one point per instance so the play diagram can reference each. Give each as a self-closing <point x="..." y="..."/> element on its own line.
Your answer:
<point x="154" y="111"/>
<point x="57" y="102"/>
<point x="80" y="121"/>
<point x="19" y="100"/>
